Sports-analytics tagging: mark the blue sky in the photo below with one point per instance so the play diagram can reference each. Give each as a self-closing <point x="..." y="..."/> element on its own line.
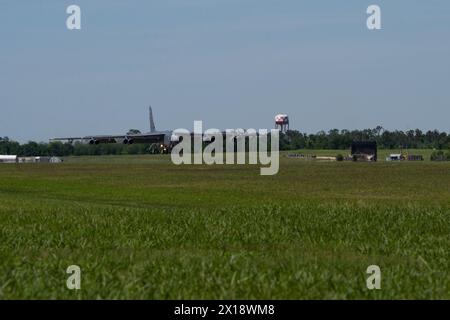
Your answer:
<point x="229" y="63"/>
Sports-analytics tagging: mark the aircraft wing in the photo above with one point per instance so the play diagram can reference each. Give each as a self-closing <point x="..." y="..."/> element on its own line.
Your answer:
<point x="152" y="137"/>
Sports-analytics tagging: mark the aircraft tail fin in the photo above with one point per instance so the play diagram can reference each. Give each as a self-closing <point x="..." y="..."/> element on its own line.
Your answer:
<point x="152" y="124"/>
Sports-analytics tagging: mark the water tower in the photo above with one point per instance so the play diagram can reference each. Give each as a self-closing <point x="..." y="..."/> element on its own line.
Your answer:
<point x="282" y="122"/>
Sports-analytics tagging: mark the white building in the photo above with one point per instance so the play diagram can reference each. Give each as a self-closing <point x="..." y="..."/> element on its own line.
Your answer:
<point x="26" y="159"/>
<point x="55" y="160"/>
<point x="8" y="159"/>
<point x="394" y="157"/>
<point x="39" y="160"/>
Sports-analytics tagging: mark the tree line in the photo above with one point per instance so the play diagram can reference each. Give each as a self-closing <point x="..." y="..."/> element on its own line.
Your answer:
<point x="291" y="140"/>
<point x="60" y="149"/>
<point x="342" y="139"/>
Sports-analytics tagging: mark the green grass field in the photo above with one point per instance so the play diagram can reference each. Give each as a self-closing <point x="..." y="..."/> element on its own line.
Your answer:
<point x="142" y="228"/>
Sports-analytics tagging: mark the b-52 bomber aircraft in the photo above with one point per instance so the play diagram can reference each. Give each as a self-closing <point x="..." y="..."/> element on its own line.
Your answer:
<point x="162" y="140"/>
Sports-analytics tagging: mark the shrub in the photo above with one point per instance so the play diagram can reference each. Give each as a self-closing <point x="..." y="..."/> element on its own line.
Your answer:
<point x="440" y="156"/>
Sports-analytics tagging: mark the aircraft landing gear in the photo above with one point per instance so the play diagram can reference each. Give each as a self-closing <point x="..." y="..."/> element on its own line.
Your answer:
<point x="156" y="148"/>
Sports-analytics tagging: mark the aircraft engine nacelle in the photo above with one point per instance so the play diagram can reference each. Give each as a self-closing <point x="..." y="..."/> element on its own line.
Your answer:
<point x="93" y="141"/>
<point x="128" y="141"/>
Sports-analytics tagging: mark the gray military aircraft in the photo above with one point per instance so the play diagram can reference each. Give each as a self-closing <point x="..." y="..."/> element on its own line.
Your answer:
<point x="161" y="141"/>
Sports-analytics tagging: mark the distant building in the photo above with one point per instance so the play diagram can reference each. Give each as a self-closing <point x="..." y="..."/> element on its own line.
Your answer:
<point x="394" y="157"/>
<point x="39" y="160"/>
<point x="8" y="159"/>
<point x="43" y="159"/>
<point x="323" y="158"/>
<point x="364" y="151"/>
<point x="55" y="160"/>
<point x="404" y="157"/>
<point x="26" y="159"/>
<point x="414" y="157"/>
